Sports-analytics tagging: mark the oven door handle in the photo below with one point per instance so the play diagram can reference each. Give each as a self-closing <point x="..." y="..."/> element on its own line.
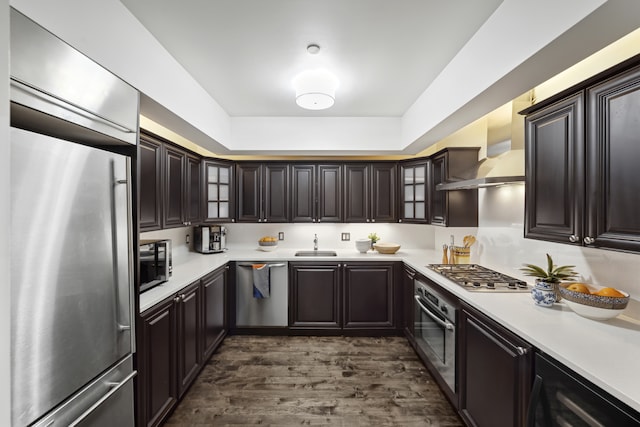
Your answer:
<point x="447" y="325"/>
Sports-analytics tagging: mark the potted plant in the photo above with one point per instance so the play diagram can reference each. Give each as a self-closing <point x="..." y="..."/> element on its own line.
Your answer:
<point x="374" y="238"/>
<point x="550" y="278"/>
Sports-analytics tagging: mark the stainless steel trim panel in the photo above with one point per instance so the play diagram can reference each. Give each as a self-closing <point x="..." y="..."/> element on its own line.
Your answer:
<point x="50" y="76"/>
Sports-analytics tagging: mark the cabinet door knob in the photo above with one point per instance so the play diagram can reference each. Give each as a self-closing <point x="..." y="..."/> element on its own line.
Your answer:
<point x="521" y="351"/>
<point x="573" y="238"/>
<point x="367" y="219"/>
<point x="313" y="220"/>
<point x="588" y="240"/>
<point x="176" y="299"/>
<point x="264" y="220"/>
<point x="233" y="220"/>
<point x="399" y="220"/>
<point x="318" y="219"/>
<point x="373" y="220"/>
<point x="259" y="220"/>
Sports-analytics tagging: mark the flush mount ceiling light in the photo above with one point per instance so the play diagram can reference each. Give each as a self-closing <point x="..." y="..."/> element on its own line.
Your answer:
<point x="315" y="89"/>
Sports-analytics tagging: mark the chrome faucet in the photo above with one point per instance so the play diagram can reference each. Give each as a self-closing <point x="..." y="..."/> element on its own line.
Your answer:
<point x="315" y="242"/>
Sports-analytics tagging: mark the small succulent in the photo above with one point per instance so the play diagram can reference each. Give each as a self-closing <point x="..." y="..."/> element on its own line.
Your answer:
<point x="374" y="237"/>
<point x="553" y="274"/>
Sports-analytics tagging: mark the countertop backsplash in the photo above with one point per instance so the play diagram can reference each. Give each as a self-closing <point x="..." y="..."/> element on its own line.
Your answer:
<point x="500" y="241"/>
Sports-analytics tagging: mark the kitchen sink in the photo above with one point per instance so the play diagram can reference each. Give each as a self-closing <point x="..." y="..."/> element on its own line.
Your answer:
<point x="316" y="253"/>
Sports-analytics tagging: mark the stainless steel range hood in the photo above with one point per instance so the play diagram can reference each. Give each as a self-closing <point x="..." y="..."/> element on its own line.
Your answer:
<point x="504" y="161"/>
<point x="470" y="184"/>
<point x="503" y="169"/>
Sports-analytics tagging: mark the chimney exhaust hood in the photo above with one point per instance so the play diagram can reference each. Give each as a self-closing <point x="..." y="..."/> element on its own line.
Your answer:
<point x="504" y="161"/>
<point x="471" y="184"/>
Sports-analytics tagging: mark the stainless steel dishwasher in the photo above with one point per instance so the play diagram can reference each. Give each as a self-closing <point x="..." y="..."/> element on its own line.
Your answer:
<point x="272" y="311"/>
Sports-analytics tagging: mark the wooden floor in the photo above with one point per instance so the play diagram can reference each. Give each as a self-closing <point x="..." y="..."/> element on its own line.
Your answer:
<point x="337" y="381"/>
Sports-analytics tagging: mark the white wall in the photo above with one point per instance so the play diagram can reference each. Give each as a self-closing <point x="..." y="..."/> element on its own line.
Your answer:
<point x="316" y="135"/>
<point x="5" y="187"/>
<point x="300" y="236"/>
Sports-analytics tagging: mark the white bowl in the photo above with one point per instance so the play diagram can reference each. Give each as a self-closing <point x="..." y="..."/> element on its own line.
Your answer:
<point x="592" y="306"/>
<point x="594" y="313"/>
<point x="363" y="245"/>
<point x="268" y="248"/>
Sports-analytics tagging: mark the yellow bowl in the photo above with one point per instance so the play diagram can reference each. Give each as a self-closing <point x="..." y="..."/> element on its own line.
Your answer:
<point x="386" y="248"/>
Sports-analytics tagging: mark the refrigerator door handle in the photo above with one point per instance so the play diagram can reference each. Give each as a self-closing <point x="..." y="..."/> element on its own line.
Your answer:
<point x="114" y="387"/>
<point x="127" y="325"/>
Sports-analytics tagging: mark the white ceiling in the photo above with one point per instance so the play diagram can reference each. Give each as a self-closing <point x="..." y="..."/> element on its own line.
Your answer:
<point x="244" y="53"/>
<point x="412" y="72"/>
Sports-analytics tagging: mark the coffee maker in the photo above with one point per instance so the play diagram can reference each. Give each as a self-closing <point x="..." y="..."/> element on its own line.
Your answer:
<point x="210" y="239"/>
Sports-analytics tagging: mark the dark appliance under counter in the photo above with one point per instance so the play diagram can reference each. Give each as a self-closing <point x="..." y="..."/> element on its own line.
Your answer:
<point x="561" y="397"/>
<point x="435" y="317"/>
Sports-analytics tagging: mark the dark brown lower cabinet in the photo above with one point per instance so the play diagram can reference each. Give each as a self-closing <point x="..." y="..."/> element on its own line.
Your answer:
<point x="336" y="295"/>
<point x="189" y="303"/>
<point x="176" y="337"/>
<point x="314" y="295"/>
<point x="368" y="295"/>
<point x="408" y="303"/>
<point x="157" y="379"/>
<point x="495" y="374"/>
<point x="214" y="323"/>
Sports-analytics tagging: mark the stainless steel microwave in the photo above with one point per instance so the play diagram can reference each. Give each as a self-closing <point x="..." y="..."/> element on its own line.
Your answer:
<point x="155" y="263"/>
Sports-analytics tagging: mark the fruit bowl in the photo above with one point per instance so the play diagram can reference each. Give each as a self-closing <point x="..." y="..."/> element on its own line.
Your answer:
<point x="386" y="248"/>
<point x="592" y="306"/>
<point x="268" y="244"/>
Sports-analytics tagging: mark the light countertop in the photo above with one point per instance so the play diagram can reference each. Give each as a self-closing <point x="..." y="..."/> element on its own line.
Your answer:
<point x="607" y="353"/>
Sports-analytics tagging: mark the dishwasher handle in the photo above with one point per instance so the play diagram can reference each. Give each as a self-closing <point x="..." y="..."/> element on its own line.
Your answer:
<point x="267" y="264"/>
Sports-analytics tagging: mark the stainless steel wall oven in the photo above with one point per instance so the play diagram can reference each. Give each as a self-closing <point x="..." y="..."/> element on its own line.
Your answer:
<point x="435" y="330"/>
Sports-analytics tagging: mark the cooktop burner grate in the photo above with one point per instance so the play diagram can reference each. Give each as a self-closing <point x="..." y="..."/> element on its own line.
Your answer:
<point x="474" y="277"/>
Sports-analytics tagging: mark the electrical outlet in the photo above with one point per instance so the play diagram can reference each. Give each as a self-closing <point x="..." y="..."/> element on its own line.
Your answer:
<point x="187" y="239"/>
<point x="346" y="237"/>
<point x="281" y="235"/>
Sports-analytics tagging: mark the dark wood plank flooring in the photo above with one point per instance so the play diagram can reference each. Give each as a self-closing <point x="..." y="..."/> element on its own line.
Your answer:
<point x="337" y="381"/>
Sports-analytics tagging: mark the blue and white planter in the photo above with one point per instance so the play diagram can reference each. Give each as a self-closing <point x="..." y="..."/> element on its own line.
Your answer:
<point x="544" y="293"/>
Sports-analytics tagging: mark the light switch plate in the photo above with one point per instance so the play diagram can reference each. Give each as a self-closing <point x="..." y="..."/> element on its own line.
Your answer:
<point x="346" y="237"/>
<point x="281" y="235"/>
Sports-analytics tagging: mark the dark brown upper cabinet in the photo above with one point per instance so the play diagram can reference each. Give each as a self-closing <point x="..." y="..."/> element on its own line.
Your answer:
<point x="263" y="194"/>
<point x="554" y="170"/>
<point x="170" y="185"/>
<point x="612" y="184"/>
<point x="218" y="191"/>
<point x="316" y="193"/>
<point x="414" y="185"/>
<point x="150" y="189"/>
<point x="193" y="190"/>
<point x="181" y="184"/>
<point x="581" y="168"/>
<point x="173" y="183"/>
<point x="454" y="208"/>
<point x="370" y="192"/>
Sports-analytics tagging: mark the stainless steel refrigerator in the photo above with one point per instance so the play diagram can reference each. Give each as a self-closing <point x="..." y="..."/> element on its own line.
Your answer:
<point x="72" y="340"/>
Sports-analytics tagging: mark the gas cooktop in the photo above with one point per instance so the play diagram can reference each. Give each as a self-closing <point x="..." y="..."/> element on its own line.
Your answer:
<point x="474" y="277"/>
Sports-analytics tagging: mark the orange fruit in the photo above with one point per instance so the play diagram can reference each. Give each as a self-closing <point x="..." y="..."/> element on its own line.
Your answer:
<point x="609" y="292"/>
<point x="579" y="287"/>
